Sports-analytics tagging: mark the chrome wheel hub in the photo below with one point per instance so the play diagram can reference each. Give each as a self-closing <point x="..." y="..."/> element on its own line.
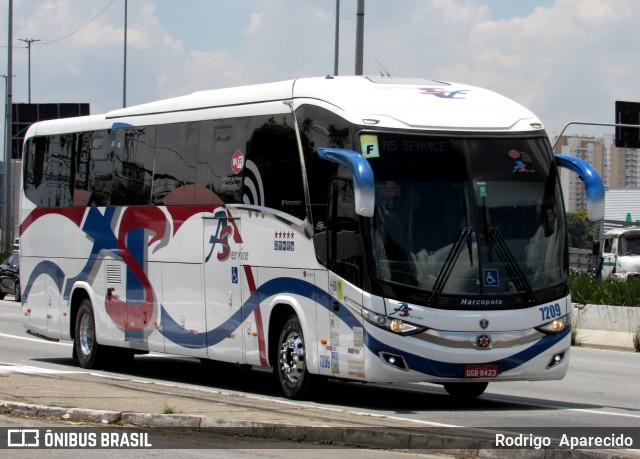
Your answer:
<point x="292" y="359"/>
<point x="87" y="337"/>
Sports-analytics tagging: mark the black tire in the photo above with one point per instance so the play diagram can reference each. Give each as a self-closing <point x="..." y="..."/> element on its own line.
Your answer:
<point x="466" y="390"/>
<point x="2" y="295"/>
<point x="291" y="366"/>
<point x="18" y="294"/>
<point x="86" y="346"/>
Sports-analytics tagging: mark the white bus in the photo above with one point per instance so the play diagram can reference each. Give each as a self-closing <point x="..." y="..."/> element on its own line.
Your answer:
<point x="359" y="228"/>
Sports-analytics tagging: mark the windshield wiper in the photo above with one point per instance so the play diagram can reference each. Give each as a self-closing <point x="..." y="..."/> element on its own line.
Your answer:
<point x="492" y="234"/>
<point x="447" y="267"/>
<point x="511" y="265"/>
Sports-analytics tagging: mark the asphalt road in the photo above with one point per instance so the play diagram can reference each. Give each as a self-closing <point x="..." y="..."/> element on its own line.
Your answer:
<point x="601" y="389"/>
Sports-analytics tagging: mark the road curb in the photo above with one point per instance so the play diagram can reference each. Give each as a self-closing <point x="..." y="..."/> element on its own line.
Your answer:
<point x="476" y="443"/>
<point x="65" y="414"/>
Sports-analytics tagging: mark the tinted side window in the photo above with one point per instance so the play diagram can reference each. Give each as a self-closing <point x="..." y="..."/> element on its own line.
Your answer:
<point x="101" y="148"/>
<point x="321" y="128"/>
<point x="133" y="166"/>
<point x="33" y="175"/>
<point x="49" y="167"/>
<point x="80" y="170"/>
<point x="345" y="248"/>
<point x="70" y="169"/>
<point x="222" y="148"/>
<point x="273" y="175"/>
<point x="175" y="164"/>
<point x="208" y="162"/>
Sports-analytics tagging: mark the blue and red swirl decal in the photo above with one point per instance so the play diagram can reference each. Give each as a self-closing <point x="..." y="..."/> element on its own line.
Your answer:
<point x="130" y="243"/>
<point x="140" y="227"/>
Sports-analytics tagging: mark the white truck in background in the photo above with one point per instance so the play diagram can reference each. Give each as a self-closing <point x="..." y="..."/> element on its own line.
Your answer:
<point x="619" y="254"/>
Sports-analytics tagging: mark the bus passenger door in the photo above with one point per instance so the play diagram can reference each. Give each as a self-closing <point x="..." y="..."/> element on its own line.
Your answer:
<point x="345" y="282"/>
<point x="222" y="287"/>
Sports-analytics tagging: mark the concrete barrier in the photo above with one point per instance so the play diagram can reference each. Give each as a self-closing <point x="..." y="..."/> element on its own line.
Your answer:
<point x="606" y="326"/>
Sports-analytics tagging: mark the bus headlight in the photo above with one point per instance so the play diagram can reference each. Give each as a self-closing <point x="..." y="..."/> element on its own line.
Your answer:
<point x="556" y="325"/>
<point x="394" y="325"/>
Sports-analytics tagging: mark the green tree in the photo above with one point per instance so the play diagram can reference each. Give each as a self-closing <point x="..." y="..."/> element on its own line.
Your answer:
<point x="580" y="230"/>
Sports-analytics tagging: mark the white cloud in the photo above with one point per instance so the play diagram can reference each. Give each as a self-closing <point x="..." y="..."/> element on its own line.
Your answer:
<point x="565" y="61"/>
<point x="254" y="24"/>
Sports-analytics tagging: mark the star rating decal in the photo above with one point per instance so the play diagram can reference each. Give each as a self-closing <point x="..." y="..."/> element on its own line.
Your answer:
<point x="284" y="241"/>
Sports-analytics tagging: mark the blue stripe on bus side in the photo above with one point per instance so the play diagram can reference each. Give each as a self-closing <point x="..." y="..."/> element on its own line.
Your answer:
<point x="178" y="335"/>
<point x="175" y="333"/>
<point x="44" y="267"/>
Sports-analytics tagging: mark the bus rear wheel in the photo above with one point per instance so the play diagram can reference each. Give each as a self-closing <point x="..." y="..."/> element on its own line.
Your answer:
<point x="85" y="343"/>
<point x="293" y="376"/>
<point x="465" y="390"/>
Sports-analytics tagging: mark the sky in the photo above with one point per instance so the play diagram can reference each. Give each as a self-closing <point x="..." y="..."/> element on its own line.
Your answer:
<point x="566" y="60"/>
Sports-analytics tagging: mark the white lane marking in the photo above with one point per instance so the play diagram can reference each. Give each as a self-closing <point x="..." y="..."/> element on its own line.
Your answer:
<point x="563" y="408"/>
<point x="29" y="370"/>
<point x="35" y="370"/>
<point x="35" y="340"/>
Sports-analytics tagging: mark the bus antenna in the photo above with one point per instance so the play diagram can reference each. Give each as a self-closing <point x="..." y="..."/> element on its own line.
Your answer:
<point x="386" y="73"/>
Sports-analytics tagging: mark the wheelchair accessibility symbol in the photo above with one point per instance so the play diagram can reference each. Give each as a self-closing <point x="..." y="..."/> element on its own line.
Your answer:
<point x="491" y="278"/>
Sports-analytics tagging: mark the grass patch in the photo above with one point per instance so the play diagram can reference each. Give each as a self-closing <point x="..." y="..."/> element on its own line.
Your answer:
<point x="168" y="409"/>
<point x="575" y="340"/>
<point x="586" y="289"/>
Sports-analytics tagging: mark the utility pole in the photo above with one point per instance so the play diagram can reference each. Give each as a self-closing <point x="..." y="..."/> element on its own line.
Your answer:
<point x="335" y="61"/>
<point x="6" y="82"/>
<point x="360" y="37"/>
<point x="124" y="77"/>
<point x="29" y="41"/>
<point x="7" y="207"/>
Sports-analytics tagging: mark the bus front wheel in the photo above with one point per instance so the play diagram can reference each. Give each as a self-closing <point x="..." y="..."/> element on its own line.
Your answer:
<point x="293" y="376"/>
<point x="465" y="390"/>
<point x="86" y="346"/>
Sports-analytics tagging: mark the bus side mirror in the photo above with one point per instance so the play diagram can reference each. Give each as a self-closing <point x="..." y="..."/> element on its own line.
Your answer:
<point x="362" y="174"/>
<point x="594" y="187"/>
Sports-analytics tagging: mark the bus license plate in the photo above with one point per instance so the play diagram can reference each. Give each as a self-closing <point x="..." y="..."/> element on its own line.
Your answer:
<point x="480" y="371"/>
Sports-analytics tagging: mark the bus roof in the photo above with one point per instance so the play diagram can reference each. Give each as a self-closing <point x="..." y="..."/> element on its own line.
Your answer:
<point x="419" y="104"/>
<point x="393" y="102"/>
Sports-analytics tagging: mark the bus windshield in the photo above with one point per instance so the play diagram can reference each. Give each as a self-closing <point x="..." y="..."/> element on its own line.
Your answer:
<point x="466" y="216"/>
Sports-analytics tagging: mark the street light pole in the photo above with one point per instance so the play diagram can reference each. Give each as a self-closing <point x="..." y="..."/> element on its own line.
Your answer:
<point x="29" y="41"/>
<point x="337" y="47"/>
<point x="7" y="207"/>
<point x="6" y="82"/>
<point x="124" y="76"/>
<point x="360" y="38"/>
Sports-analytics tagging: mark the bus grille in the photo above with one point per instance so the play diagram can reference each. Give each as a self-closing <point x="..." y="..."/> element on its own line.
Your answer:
<point x="114" y="274"/>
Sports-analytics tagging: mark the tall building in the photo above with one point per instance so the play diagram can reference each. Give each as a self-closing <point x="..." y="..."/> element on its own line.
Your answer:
<point x="589" y="149"/>
<point x="624" y="167"/>
<point x="618" y="167"/>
